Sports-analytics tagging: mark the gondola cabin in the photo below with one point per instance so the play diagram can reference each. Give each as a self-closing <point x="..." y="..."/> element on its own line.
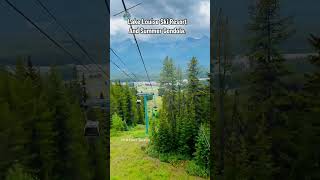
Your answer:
<point x="126" y="16"/>
<point x="155" y="111"/>
<point x="92" y="129"/>
<point x="155" y="108"/>
<point x="97" y="103"/>
<point x="138" y="101"/>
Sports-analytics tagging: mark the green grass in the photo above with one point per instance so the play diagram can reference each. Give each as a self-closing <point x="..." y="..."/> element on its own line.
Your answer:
<point x="130" y="161"/>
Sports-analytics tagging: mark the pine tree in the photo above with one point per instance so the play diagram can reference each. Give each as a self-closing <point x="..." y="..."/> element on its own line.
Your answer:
<point x="267" y="91"/>
<point x="18" y="173"/>
<point x="41" y="125"/>
<point x="58" y="100"/>
<point x="117" y="123"/>
<point x="31" y="72"/>
<point x="187" y="128"/>
<point x="179" y="92"/>
<point x="124" y="103"/>
<point x="306" y="126"/>
<point x="193" y="88"/>
<point x="12" y="135"/>
<point x="42" y="138"/>
<point x="128" y="105"/>
<point x="234" y="152"/>
<point x="75" y="85"/>
<point x="219" y="79"/>
<point x="163" y="135"/>
<point x="85" y="95"/>
<point x="168" y="81"/>
<point x="203" y="147"/>
<point x="77" y="161"/>
<point x="114" y="100"/>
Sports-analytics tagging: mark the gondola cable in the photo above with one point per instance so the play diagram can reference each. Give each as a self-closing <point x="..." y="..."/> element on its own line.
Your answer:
<point x="70" y="36"/>
<point x="113" y="51"/>
<point x="46" y="35"/>
<point x="121" y="70"/>
<point x="127" y="9"/>
<point x="136" y="42"/>
<point x="138" y="47"/>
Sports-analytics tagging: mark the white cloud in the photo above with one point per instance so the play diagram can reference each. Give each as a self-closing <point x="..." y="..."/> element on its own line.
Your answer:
<point x="118" y="27"/>
<point x="204" y="11"/>
<point x="197" y="13"/>
<point x="200" y="19"/>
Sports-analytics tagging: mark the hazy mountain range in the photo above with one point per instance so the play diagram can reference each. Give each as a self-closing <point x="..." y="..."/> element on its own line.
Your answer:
<point x="181" y="51"/>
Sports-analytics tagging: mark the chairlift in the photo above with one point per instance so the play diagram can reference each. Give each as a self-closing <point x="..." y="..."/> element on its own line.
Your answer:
<point x="92" y="129"/>
<point x="96" y="103"/>
<point x="138" y="101"/>
<point x="155" y="111"/>
<point x="155" y="108"/>
<point x="126" y="15"/>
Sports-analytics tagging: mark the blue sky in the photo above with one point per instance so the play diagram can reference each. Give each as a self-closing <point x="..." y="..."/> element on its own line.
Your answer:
<point x="180" y="47"/>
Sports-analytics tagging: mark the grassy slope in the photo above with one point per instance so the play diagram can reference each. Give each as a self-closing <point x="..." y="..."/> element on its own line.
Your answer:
<point x="128" y="161"/>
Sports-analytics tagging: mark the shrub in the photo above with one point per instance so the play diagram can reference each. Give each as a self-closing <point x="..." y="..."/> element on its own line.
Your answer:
<point x="18" y="173"/>
<point x="152" y="152"/>
<point x="117" y="123"/>
<point x="172" y="158"/>
<point x="202" y="147"/>
<point x="196" y="170"/>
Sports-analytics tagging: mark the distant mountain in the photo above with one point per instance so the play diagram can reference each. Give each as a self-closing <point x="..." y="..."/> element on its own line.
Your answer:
<point x="181" y="51"/>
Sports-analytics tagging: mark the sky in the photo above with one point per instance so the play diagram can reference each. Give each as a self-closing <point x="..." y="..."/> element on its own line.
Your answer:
<point x="197" y="13"/>
<point x="86" y="19"/>
<point x="155" y="47"/>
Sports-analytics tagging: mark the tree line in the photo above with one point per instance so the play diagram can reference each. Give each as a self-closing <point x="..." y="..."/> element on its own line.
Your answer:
<point x="125" y="111"/>
<point x="268" y="128"/>
<point x="182" y="128"/>
<point x="42" y="128"/>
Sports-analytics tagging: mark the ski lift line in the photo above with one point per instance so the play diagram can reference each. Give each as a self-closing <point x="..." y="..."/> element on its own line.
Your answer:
<point x="122" y="62"/>
<point x="107" y="4"/>
<point x="125" y="9"/>
<point x="135" y="39"/>
<point x="70" y="36"/>
<point x="128" y="9"/>
<point x="122" y="70"/>
<point x="112" y="50"/>
<point x="4" y="7"/>
<point x="117" y="56"/>
<point x="124" y="5"/>
<point x="108" y="8"/>
<point x="45" y="34"/>
<point x="144" y="65"/>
